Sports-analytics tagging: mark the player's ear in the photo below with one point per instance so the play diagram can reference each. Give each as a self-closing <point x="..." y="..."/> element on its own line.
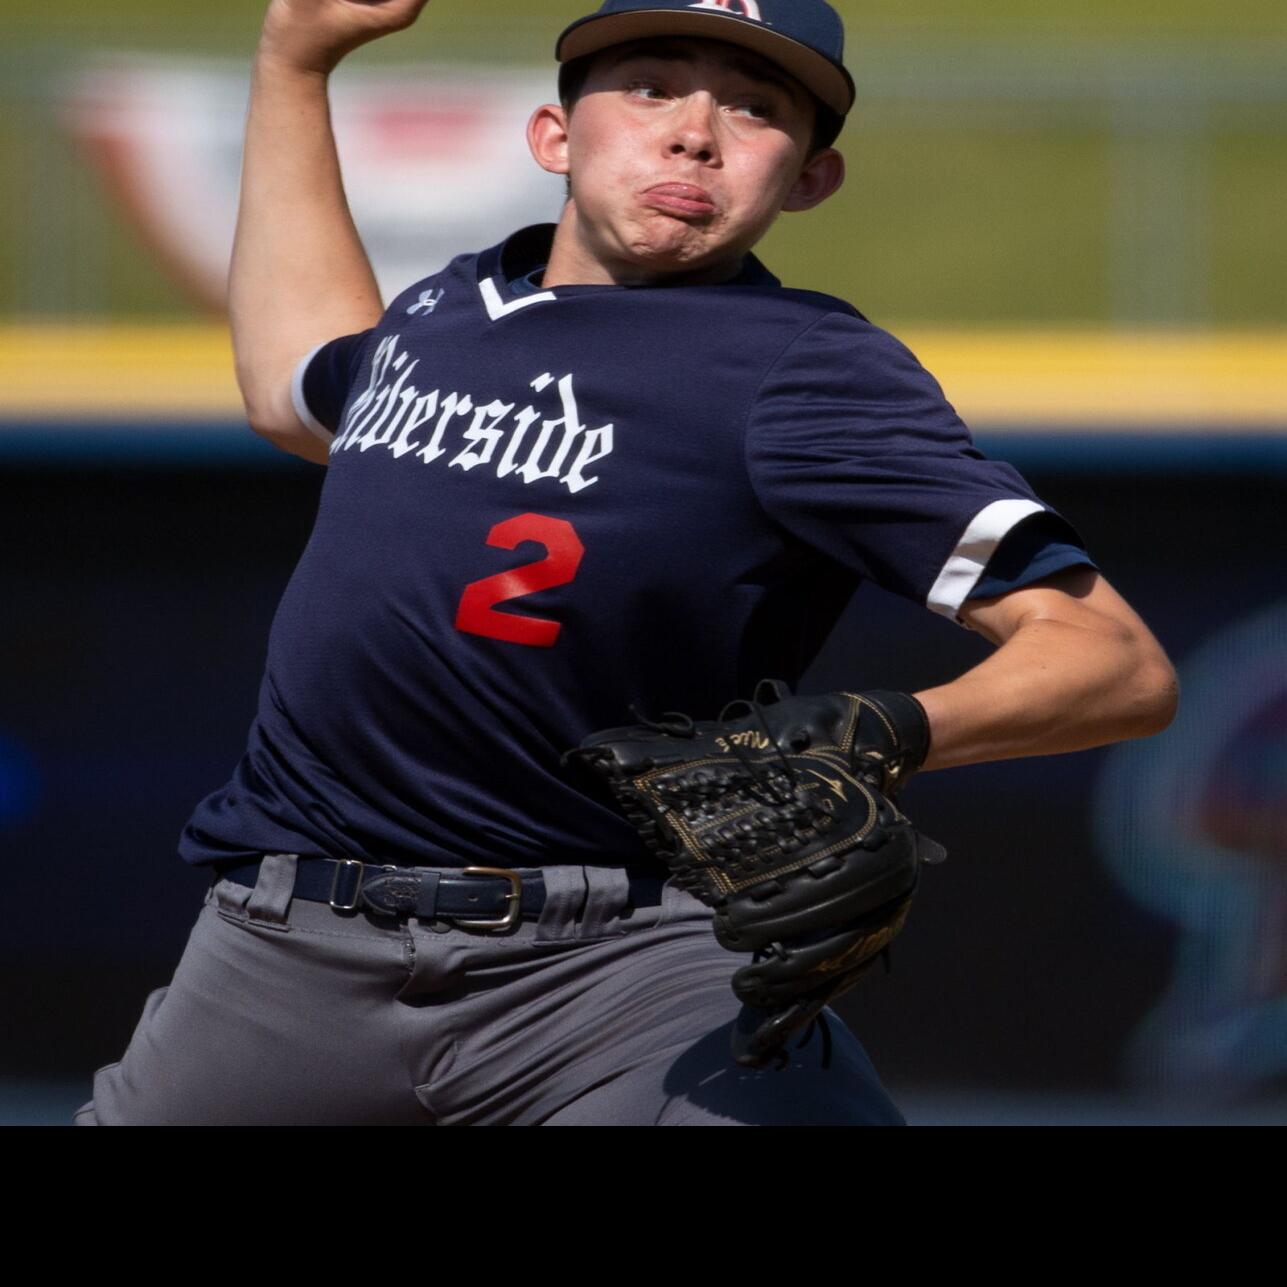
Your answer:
<point x="821" y="177"/>
<point x="547" y="138"/>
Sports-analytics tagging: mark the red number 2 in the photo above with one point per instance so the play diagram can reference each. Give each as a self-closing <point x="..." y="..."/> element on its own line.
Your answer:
<point x="477" y="613"/>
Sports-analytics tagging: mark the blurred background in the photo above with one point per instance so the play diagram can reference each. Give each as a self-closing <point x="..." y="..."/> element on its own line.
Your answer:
<point x="1074" y="215"/>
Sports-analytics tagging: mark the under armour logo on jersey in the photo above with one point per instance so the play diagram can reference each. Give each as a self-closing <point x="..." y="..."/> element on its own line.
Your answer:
<point x="747" y="8"/>
<point x="428" y="301"/>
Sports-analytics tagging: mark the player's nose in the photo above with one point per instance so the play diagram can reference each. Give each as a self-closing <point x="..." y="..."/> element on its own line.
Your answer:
<point x="693" y="128"/>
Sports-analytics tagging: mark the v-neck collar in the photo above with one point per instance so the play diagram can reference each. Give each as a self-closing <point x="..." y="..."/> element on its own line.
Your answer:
<point x="529" y="249"/>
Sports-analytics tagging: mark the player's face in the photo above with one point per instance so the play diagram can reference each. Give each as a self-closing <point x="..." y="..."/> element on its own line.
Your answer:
<point x="681" y="153"/>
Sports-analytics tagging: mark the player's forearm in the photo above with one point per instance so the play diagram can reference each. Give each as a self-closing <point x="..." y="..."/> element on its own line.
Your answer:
<point x="299" y="273"/>
<point x="1052" y="687"/>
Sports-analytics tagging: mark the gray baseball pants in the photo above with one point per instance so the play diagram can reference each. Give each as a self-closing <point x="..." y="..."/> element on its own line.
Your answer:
<point x="282" y="1011"/>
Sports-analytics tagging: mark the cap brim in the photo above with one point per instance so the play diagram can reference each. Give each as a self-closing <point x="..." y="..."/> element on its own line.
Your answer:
<point x="817" y="73"/>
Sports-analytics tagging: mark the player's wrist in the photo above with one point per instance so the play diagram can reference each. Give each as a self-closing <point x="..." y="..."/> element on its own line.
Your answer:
<point x="291" y="47"/>
<point x="284" y="59"/>
<point x="894" y="728"/>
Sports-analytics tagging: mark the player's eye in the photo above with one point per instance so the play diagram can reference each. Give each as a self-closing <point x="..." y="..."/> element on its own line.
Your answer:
<point x="647" y="89"/>
<point x="758" y="109"/>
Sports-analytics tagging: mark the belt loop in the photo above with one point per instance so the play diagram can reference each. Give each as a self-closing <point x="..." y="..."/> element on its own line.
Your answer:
<point x="565" y="894"/>
<point x="609" y="892"/>
<point x="231" y="897"/>
<point x="270" y="902"/>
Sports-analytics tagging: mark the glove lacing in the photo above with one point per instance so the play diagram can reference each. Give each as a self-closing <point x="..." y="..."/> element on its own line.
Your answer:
<point x="763" y="779"/>
<point x="761" y="776"/>
<point x="673" y="723"/>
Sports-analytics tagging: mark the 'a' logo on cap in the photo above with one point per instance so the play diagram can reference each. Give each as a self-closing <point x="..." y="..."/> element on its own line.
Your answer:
<point x="747" y="8"/>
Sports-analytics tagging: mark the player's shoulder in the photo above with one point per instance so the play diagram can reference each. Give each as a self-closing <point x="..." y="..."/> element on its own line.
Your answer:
<point x="837" y="343"/>
<point x="789" y="325"/>
<point x="828" y="322"/>
<point x="756" y="289"/>
<point x="837" y="321"/>
<point x="814" y="305"/>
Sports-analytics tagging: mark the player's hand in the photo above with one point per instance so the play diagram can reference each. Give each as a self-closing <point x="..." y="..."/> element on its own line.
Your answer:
<point x="313" y="35"/>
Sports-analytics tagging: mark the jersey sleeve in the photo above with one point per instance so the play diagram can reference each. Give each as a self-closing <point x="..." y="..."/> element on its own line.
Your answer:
<point x="320" y="385"/>
<point x="1037" y="547"/>
<point x="853" y="449"/>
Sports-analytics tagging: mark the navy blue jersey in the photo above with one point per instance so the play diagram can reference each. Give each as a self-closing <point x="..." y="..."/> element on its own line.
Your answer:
<point x="544" y="505"/>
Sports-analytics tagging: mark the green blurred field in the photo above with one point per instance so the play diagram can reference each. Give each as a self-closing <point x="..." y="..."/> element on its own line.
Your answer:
<point x="1104" y="163"/>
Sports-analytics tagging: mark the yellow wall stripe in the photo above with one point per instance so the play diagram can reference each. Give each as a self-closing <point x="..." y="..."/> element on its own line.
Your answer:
<point x="74" y="371"/>
<point x="1011" y="379"/>
<point x="1023" y="379"/>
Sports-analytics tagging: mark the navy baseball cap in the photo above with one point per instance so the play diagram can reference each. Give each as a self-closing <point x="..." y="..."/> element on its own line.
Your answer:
<point x="804" y="37"/>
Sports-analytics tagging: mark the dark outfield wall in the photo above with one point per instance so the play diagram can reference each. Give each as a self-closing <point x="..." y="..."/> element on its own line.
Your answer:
<point x="1104" y="919"/>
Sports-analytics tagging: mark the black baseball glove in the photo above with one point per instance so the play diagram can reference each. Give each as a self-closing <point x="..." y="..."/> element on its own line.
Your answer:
<point x="782" y="819"/>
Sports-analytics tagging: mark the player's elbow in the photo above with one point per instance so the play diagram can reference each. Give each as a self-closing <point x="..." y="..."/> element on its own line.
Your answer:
<point x="1137" y="692"/>
<point x="272" y="415"/>
<point x="1151" y="691"/>
<point x="270" y="423"/>
<point x="288" y="435"/>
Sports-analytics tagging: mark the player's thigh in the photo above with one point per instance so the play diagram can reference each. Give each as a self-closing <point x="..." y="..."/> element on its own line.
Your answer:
<point x="671" y="1050"/>
<point x="702" y="1086"/>
<point x="267" y="1024"/>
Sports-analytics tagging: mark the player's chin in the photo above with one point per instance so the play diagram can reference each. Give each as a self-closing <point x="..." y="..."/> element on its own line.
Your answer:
<point x="675" y="245"/>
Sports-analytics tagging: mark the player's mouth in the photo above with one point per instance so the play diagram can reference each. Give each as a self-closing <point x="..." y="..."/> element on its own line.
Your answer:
<point x="680" y="199"/>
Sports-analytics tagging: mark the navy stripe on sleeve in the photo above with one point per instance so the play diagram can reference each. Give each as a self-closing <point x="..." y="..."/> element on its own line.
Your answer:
<point x="1034" y="548"/>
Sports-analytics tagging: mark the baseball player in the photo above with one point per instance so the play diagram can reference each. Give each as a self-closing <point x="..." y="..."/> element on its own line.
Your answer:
<point x="606" y="462"/>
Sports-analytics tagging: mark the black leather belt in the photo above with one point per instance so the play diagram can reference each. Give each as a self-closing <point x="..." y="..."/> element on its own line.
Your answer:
<point x="484" y="898"/>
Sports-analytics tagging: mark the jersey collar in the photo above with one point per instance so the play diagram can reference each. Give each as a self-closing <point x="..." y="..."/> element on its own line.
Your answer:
<point x="529" y="249"/>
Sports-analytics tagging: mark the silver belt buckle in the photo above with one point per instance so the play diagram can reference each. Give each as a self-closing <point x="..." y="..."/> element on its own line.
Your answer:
<point x="514" y="898"/>
<point x="341" y="863"/>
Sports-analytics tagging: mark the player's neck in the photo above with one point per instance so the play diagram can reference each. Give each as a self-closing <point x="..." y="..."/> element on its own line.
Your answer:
<point x="577" y="260"/>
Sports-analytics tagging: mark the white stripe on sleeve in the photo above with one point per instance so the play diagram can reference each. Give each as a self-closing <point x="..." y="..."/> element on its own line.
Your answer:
<point x="306" y="417"/>
<point x="963" y="569"/>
